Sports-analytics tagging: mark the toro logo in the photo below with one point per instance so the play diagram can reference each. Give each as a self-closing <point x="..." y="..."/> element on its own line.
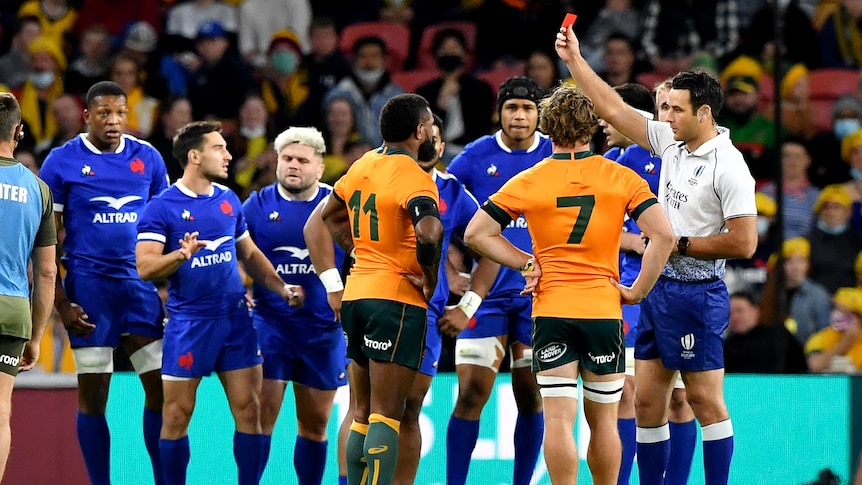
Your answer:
<point x="137" y="166"/>
<point x="551" y="352"/>
<point x="226" y="208"/>
<point x="186" y="360"/>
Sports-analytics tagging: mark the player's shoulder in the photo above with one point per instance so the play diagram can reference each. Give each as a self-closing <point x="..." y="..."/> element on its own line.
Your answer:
<point x="138" y="147"/>
<point x="72" y="147"/>
<point x="323" y="191"/>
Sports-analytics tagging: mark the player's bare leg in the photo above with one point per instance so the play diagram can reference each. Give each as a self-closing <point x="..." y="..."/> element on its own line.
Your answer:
<point x="653" y="385"/>
<point x="7" y="382"/>
<point x="313" y="409"/>
<point x="242" y="388"/>
<point x="145" y="354"/>
<point x="410" y="440"/>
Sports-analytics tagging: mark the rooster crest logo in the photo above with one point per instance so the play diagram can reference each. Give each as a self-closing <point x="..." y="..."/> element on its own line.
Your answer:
<point x="274" y="217"/>
<point x="226" y="208"/>
<point x="137" y="166"/>
<point x="492" y="171"/>
<point x="87" y="171"/>
<point x="187" y="216"/>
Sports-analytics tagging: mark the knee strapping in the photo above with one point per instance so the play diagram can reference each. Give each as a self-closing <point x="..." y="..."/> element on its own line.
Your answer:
<point x="484" y="352"/>
<point x="553" y="386"/>
<point x="147" y="358"/>
<point x="604" y="392"/>
<point x="94" y="360"/>
<point x="525" y="361"/>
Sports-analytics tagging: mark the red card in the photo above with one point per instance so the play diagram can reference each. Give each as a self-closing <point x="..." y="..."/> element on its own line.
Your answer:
<point x="569" y="20"/>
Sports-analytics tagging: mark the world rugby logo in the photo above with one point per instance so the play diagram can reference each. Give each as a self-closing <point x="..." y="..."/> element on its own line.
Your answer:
<point x="551" y="352"/>
<point x="687" y="341"/>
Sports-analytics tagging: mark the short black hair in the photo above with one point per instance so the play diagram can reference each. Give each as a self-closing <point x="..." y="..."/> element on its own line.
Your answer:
<point x="617" y="35"/>
<point x="401" y="115"/>
<point x="10" y="116"/>
<point x="191" y="137"/>
<point x="637" y="96"/>
<point x="448" y="33"/>
<point x="703" y="88"/>
<point x="369" y="40"/>
<point x="745" y="295"/>
<point x="438" y="121"/>
<point x="103" y="88"/>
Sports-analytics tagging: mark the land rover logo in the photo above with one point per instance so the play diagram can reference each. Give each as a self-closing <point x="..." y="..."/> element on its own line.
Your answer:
<point x="551" y="352"/>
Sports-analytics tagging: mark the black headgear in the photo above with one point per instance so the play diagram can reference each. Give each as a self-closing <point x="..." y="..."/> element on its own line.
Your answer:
<point x="519" y="87"/>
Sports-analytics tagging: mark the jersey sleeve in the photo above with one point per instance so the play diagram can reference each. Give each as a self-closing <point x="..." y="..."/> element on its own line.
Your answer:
<point x="47" y="233"/>
<point x="250" y="211"/>
<point x="152" y="225"/>
<point x="641" y="195"/>
<point x="460" y="168"/>
<point x="735" y="188"/>
<point x="241" y="231"/>
<point x="50" y="174"/>
<point x="508" y="203"/>
<point x="338" y="189"/>
<point x="415" y="183"/>
<point x="660" y="136"/>
<point x="467" y="205"/>
<point x="160" y="174"/>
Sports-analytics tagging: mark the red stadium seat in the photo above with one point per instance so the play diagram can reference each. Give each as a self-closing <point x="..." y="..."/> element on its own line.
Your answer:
<point x="395" y="36"/>
<point x="832" y="83"/>
<point x="651" y="78"/>
<point x="410" y="80"/>
<point x="425" y="54"/>
<point x="495" y="77"/>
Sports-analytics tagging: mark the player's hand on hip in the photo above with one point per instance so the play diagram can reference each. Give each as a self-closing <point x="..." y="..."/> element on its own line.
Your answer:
<point x="453" y="321"/>
<point x="628" y="295"/>
<point x="531" y="273"/>
<point x="294" y="295"/>
<point x="30" y="356"/>
<point x="75" y="319"/>
<point x="189" y="245"/>
<point x="334" y="300"/>
<point x="567" y="45"/>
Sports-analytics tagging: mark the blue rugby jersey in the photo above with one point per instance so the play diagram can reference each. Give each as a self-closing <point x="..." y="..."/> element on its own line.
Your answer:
<point x="456" y="208"/>
<point x="101" y="196"/>
<point x="209" y="283"/>
<point x="648" y="167"/>
<point x="483" y="167"/>
<point x="275" y="223"/>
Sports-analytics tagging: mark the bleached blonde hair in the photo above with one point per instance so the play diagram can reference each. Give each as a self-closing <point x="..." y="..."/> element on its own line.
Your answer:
<point x="304" y="135"/>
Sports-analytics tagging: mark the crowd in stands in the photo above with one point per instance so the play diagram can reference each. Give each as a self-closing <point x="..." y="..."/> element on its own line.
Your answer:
<point x="260" y="66"/>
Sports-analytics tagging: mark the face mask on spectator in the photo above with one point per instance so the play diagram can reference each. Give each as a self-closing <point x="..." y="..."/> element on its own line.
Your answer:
<point x="856" y="173"/>
<point x="844" y="126"/>
<point x="834" y="230"/>
<point x="252" y="132"/>
<point x="369" y="77"/>
<point x="284" y="62"/>
<point x="42" y="79"/>
<point x="449" y="63"/>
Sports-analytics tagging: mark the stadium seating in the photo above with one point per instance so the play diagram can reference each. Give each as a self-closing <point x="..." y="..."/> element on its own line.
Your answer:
<point x="410" y="80"/>
<point x="496" y="76"/>
<point x="425" y="54"/>
<point x="396" y="37"/>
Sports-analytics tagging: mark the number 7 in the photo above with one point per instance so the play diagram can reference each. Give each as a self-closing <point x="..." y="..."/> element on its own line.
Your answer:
<point x="586" y="203"/>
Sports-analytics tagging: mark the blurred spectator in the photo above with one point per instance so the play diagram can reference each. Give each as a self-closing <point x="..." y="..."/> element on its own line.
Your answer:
<point x="368" y="87"/>
<point x="15" y="64"/>
<point x="395" y="11"/>
<point x="117" y="15"/>
<point x="797" y="115"/>
<point x="799" y="43"/>
<point x="542" y="67"/>
<point x="142" y="108"/>
<point x="92" y="65"/>
<point x="29" y="160"/>
<point x="174" y="113"/>
<point x="615" y="17"/>
<point x="254" y="159"/>
<point x="68" y="110"/>
<point x="464" y="102"/>
<point x="57" y="19"/>
<point x="619" y="60"/>
<point x="38" y="93"/>
<point x="829" y="168"/>
<point x="840" y="45"/>
<point x="219" y="85"/>
<point x="851" y="152"/>
<point x="759" y="348"/>
<point x="799" y="195"/>
<point x="339" y="130"/>
<point x="259" y="20"/>
<point x="674" y="31"/>
<point x="838" y="348"/>
<point x="142" y="44"/>
<point x="186" y="20"/>
<point x="833" y="242"/>
<point x="751" y="131"/>
<point x="325" y="66"/>
<point x="750" y="275"/>
<point x="808" y="303"/>
<point x="857" y="268"/>
<point x="284" y="85"/>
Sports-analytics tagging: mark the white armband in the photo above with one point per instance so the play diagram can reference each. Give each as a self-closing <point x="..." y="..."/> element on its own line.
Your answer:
<point x="331" y="280"/>
<point x="470" y="303"/>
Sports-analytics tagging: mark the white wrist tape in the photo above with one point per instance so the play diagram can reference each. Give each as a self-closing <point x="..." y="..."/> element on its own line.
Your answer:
<point x="331" y="280"/>
<point x="470" y="303"/>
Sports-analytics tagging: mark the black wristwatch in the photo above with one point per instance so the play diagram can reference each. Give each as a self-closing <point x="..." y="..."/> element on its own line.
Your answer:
<point x="682" y="245"/>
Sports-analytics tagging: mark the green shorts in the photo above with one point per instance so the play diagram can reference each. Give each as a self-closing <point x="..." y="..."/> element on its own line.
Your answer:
<point x="11" y="350"/>
<point x="385" y="331"/>
<point x="598" y="344"/>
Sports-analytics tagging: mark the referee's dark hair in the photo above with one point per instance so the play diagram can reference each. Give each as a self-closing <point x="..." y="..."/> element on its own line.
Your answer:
<point x="10" y="117"/>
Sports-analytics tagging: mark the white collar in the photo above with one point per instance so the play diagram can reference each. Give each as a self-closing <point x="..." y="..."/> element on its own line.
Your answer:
<point x="92" y="148"/>
<point x="290" y="198"/>
<point x="182" y="188"/>
<point x="499" y="138"/>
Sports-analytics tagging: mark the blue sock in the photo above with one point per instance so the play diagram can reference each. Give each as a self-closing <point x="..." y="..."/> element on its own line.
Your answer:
<point x="529" y="429"/>
<point x="175" y="460"/>
<point x="342" y="480"/>
<point x="682" y="440"/>
<point x="95" y="441"/>
<point x="460" y="441"/>
<point x="653" y="449"/>
<point x="152" y="428"/>
<point x="246" y="452"/>
<point x="309" y="460"/>
<point x="627" y="431"/>
<point x="266" y="444"/>
<point x="717" y="451"/>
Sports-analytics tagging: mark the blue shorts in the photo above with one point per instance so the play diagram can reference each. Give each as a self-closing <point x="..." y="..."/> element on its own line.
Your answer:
<point x="433" y="345"/>
<point x="504" y="315"/>
<point x="196" y="346"/>
<point x="313" y="357"/>
<point x="684" y="323"/>
<point x="631" y="315"/>
<point x="117" y="307"/>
